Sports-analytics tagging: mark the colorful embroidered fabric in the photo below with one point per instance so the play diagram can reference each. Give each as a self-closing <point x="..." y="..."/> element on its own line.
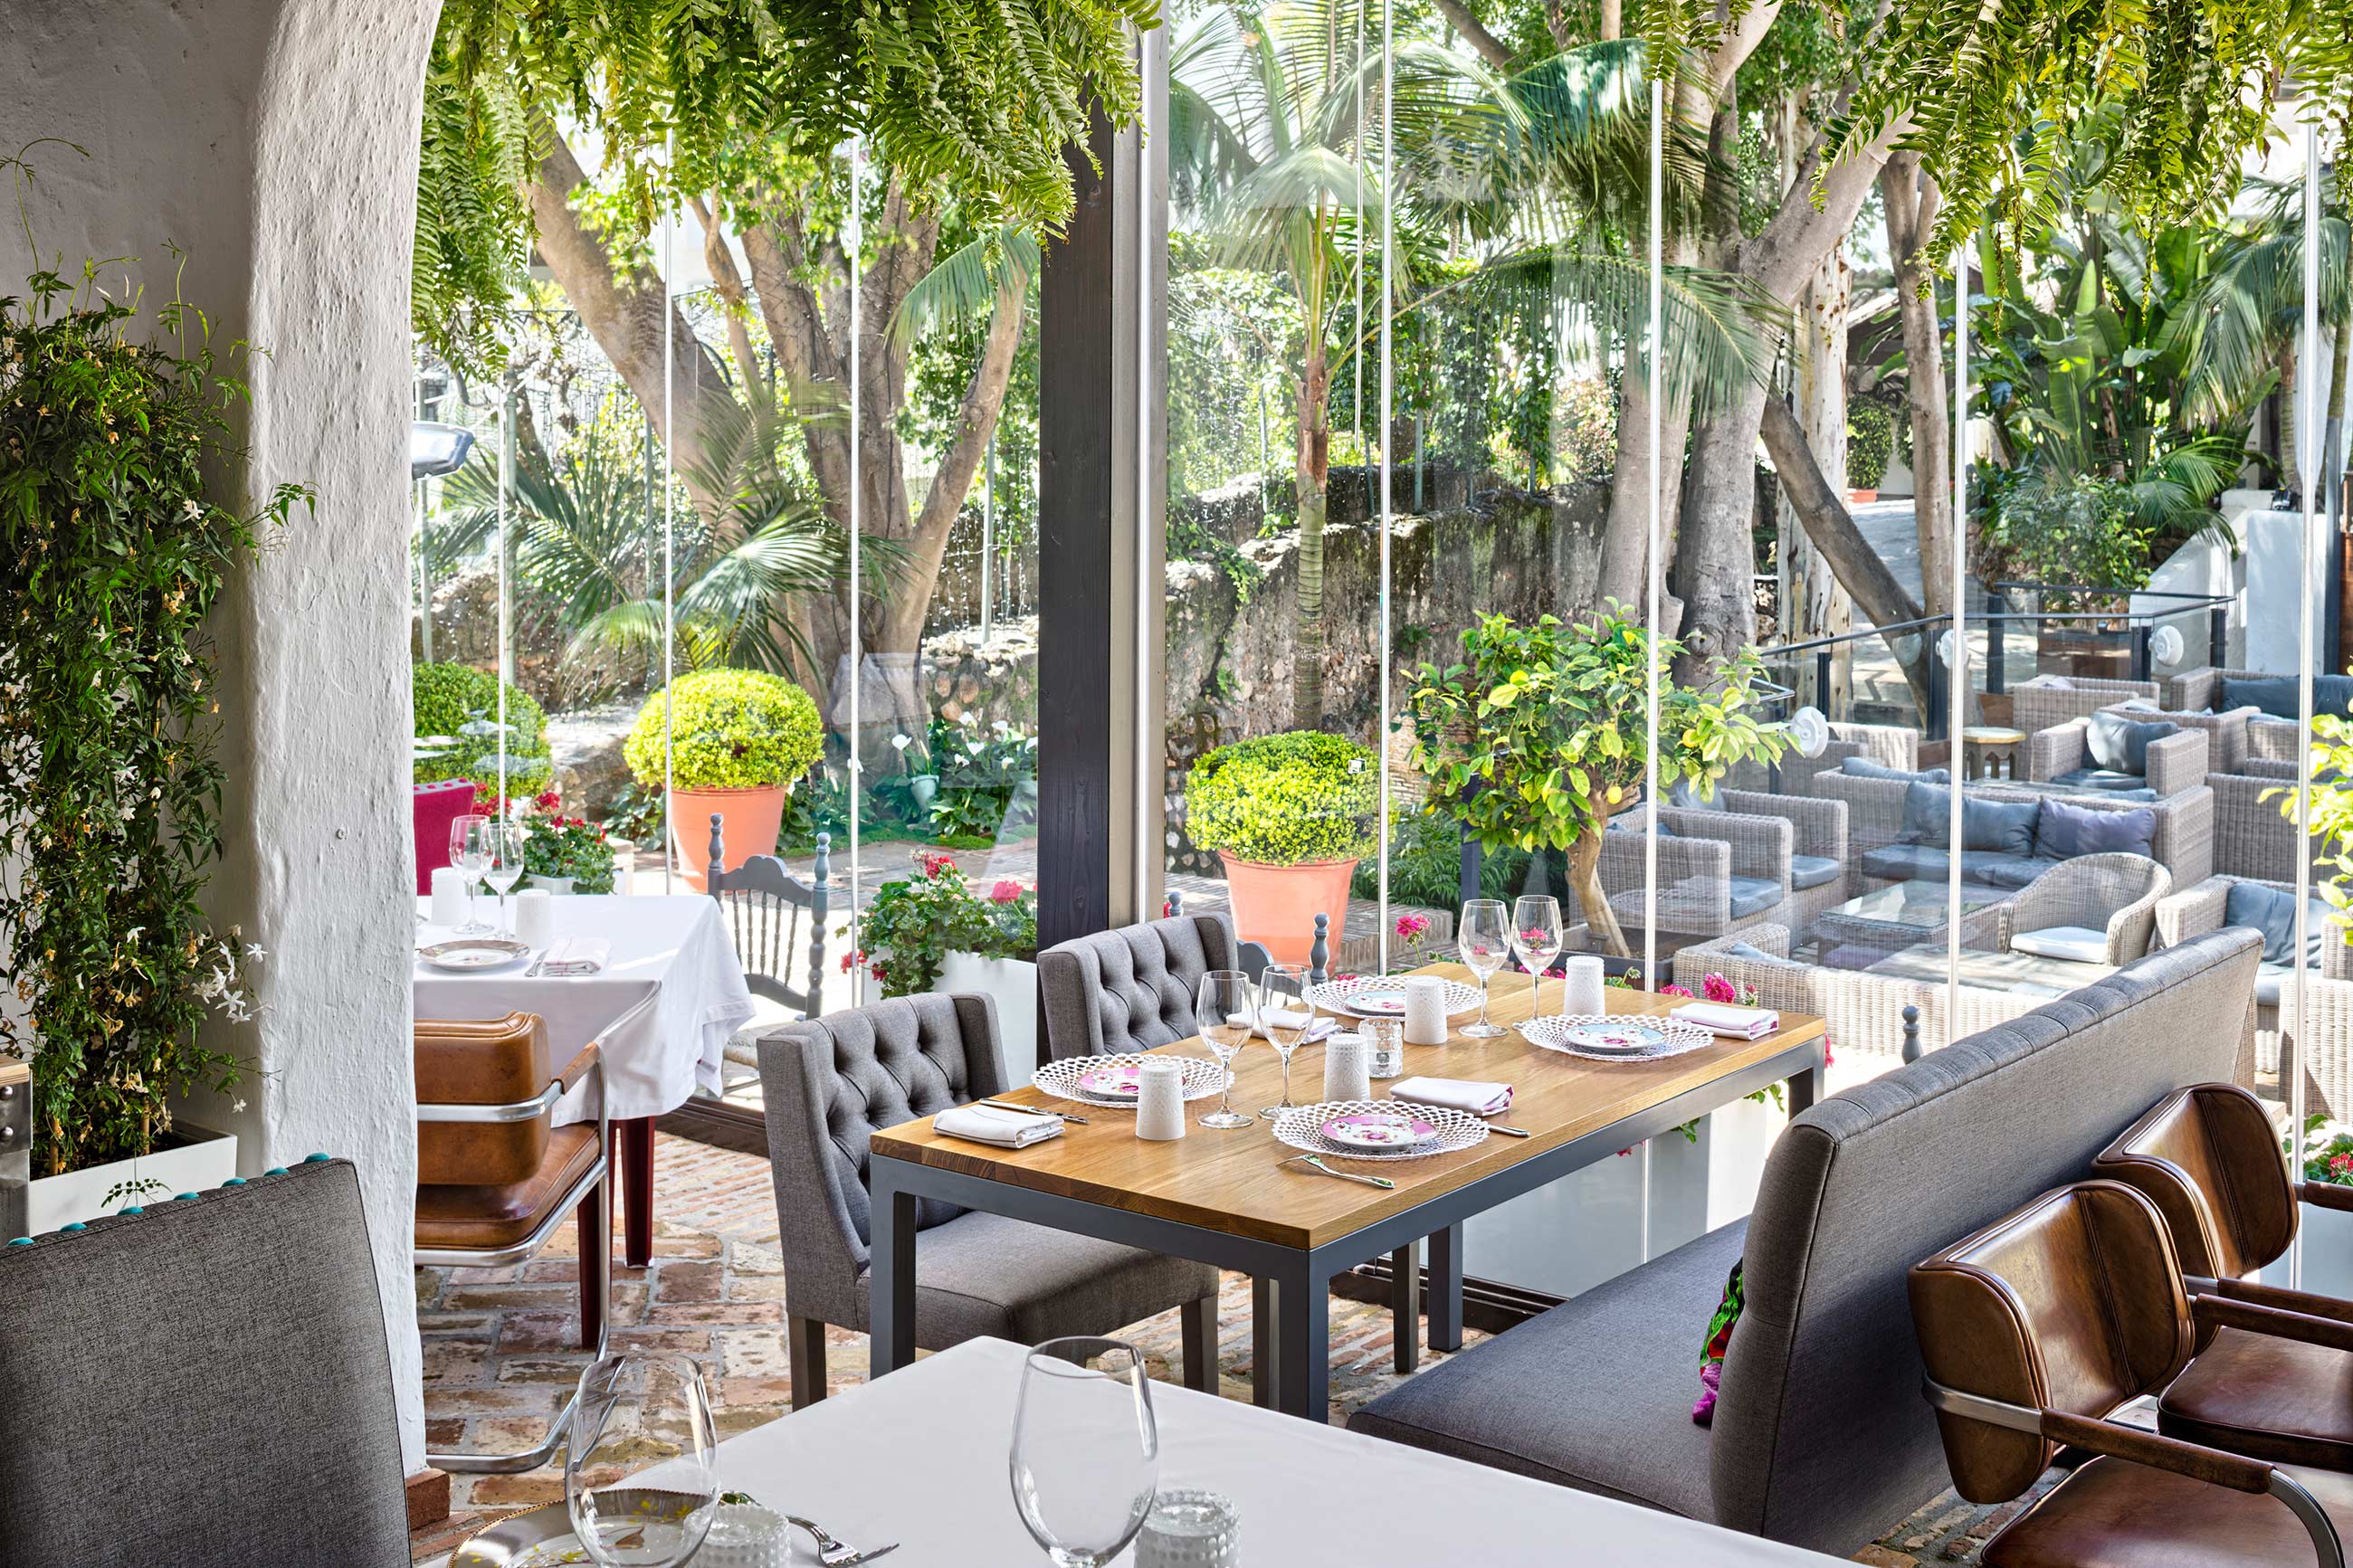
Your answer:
<point x="1719" y="1338"/>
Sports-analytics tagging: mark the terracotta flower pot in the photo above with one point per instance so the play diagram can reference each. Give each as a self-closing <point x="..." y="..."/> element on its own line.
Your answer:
<point x="748" y="823"/>
<point x="1276" y="905"/>
<point x="1858" y="495"/>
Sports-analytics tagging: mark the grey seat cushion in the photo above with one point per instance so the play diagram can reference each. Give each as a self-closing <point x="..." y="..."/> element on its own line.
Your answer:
<point x="205" y="1383"/>
<point x="1130" y="989"/>
<point x="1812" y="871"/>
<point x="1596" y="1394"/>
<point x="2022" y="973"/>
<point x="1753" y="896"/>
<point x="2101" y="778"/>
<point x="1927" y="862"/>
<point x="984" y="1274"/>
<point x="2076" y="945"/>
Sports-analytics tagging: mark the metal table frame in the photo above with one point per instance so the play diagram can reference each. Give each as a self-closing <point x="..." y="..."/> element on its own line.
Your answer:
<point x="1288" y="1283"/>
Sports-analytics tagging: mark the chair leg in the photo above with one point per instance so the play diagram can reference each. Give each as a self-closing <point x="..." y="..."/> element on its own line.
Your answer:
<point x="593" y="1219"/>
<point x="805" y="1359"/>
<point x="1200" y="1323"/>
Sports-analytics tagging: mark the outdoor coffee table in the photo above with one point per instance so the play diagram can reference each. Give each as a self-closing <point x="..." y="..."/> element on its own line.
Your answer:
<point x="1890" y="919"/>
<point x="1224" y="1197"/>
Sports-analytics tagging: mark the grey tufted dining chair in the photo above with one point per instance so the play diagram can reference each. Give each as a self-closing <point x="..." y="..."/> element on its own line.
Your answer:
<point x="1130" y="989"/>
<point x="829" y="1084"/>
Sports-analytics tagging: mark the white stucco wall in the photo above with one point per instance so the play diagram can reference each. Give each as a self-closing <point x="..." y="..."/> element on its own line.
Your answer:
<point x="276" y="141"/>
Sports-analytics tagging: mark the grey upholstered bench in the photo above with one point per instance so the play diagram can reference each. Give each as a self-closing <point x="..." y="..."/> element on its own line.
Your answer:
<point x="1820" y="1437"/>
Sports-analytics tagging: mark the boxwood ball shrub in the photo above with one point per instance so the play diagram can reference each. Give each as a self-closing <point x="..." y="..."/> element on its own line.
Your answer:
<point x="734" y="729"/>
<point x="445" y="694"/>
<point x="1285" y="800"/>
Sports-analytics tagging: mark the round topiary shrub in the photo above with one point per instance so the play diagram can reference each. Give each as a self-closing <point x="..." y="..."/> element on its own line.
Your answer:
<point x="734" y="729"/>
<point x="1285" y="800"/>
<point x="443" y="695"/>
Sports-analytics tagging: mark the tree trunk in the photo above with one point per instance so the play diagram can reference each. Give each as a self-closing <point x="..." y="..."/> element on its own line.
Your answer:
<point x="1832" y="531"/>
<point x="1911" y="199"/>
<point x="1813" y="603"/>
<point x="1310" y="471"/>
<point x="1584" y="881"/>
<point x="1483" y="43"/>
<point x="2290" y="466"/>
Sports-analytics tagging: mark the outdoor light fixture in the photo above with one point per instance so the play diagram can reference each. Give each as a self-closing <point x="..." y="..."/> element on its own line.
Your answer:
<point x="2165" y="645"/>
<point x="436" y="451"/>
<point x="1810" y="731"/>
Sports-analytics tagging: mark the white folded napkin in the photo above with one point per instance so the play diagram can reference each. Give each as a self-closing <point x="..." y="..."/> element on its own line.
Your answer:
<point x="1478" y="1098"/>
<point x="1723" y="1018"/>
<point x="574" y="955"/>
<point x="1004" y="1128"/>
<point x="1316" y="1031"/>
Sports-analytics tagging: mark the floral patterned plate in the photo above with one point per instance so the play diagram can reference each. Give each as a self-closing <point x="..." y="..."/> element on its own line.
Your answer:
<point x="1383" y="996"/>
<point x="1613" y="1038"/>
<point x="1112" y="1080"/>
<point x="1377" y="1131"/>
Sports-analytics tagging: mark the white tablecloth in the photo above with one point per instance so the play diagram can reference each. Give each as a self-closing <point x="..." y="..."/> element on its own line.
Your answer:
<point x="674" y="949"/>
<point x="919" y="1457"/>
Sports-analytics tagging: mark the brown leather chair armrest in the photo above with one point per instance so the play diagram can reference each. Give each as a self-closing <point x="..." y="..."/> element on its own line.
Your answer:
<point x="2223" y="1312"/>
<point x="2134" y="1446"/>
<point x="2325" y="1195"/>
<point x="577" y="1067"/>
<point x="2286" y="1300"/>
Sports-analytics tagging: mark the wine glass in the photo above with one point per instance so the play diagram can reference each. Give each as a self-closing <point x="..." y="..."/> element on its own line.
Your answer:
<point x="1536" y="938"/>
<point x="1085" y="1464"/>
<point x="505" y="867"/>
<point x="1484" y="941"/>
<point x="1226" y="1011"/>
<point x="470" y="851"/>
<point x="630" y="1404"/>
<point x="1286" y="1015"/>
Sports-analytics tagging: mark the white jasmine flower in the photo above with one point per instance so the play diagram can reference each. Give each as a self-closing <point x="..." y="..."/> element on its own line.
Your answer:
<point x="193" y="510"/>
<point x="253" y="950"/>
<point x="236" y="1107"/>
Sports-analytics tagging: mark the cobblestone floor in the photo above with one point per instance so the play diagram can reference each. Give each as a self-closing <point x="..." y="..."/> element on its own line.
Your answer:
<point x="500" y="1352"/>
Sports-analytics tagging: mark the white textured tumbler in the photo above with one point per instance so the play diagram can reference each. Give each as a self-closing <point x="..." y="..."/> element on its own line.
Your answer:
<point x="1425" y="1010"/>
<point x="1160" y="1099"/>
<point x="1581" y="988"/>
<point x="1347" y="1073"/>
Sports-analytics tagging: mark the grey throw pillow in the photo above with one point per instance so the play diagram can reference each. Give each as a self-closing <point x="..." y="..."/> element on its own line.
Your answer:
<point x="2002" y="827"/>
<point x="2121" y="745"/>
<point x="1865" y="768"/>
<point x="2277" y="695"/>
<point x="2068" y="830"/>
<point x="2271" y="910"/>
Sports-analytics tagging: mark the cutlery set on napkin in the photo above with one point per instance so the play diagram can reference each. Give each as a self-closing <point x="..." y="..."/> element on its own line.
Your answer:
<point x="998" y="1126"/>
<point x="1723" y="1018"/>
<point x="572" y="956"/>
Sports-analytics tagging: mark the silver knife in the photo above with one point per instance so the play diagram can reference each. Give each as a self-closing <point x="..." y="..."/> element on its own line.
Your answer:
<point x="1029" y="1110"/>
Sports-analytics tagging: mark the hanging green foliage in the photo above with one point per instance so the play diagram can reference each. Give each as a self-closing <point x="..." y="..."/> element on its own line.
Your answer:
<point x="112" y="553"/>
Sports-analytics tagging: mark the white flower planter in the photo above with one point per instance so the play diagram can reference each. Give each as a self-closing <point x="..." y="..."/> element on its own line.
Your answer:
<point x="1012" y="983"/>
<point x="198" y="1159"/>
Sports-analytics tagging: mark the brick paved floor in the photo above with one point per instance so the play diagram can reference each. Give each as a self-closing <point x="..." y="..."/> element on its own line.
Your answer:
<point x="501" y="1351"/>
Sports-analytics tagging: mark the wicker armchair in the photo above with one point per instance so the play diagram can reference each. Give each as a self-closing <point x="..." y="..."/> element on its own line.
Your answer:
<point x="1863" y="1009"/>
<point x="2176" y="762"/>
<point x="1885" y="744"/>
<point x="1719" y="871"/>
<point x="2226" y="734"/>
<point x="2201" y="689"/>
<point x="2328" y="989"/>
<point x="2093" y="910"/>
<point x="2049" y="701"/>
<point x="2252" y="838"/>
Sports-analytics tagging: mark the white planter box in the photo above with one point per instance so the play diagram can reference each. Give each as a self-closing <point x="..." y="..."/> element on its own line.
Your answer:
<point x="1012" y="982"/>
<point x="203" y="1158"/>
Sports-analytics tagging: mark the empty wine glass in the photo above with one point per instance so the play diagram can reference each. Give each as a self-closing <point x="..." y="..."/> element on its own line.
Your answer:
<point x="1226" y="1011"/>
<point x="633" y="1405"/>
<point x="1286" y="1015"/>
<point x="470" y="851"/>
<point x="505" y="867"/>
<point x="1536" y="938"/>
<point x="1085" y="1464"/>
<point x="1484" y="940"/>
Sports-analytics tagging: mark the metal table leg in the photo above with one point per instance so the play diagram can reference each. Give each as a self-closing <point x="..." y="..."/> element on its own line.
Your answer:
<point x="1265" y="1353"/>
<point x="1404" y="1307"/>
<point x="1304" y="1360"/>
<point x="891" y="1310"/>
<point x="1446" y="1288"/>
<point x="1805" y="1088"/>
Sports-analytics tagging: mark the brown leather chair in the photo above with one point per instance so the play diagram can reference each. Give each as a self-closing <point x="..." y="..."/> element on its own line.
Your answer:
<point x="495" y="1178"/>
<point x="2209" y="1158"/>
<point x="2035" y="1330"/>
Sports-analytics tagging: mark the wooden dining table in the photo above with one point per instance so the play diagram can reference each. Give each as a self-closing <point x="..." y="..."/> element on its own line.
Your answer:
<point x="1226" y="1198"/>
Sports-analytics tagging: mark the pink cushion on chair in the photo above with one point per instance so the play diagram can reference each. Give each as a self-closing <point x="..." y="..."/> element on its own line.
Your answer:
<point x="434" y="807"/>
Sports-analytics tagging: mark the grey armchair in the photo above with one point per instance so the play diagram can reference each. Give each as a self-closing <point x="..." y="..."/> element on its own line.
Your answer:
<point x="203" y="1382"/>
<point x="829" y="1084"/>
<point x="2048" y="700"/>
<point x="2252" y="838"/>
<point x="2062" y="755"/>
<point x="2329" y="982"/>
<point x="1719" y="870"/>
<point x="2094" y="908"/>
<point x="1132" y="989"/>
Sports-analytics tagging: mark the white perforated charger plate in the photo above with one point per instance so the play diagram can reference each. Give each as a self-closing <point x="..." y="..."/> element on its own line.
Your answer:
<point x="1301" y="1127"/>
<point x="1570" y="1036"/>
<point x="1061" y="1080"/>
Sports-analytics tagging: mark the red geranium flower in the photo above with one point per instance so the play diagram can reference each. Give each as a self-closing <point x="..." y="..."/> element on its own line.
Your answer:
<point x="1005" y="892"/>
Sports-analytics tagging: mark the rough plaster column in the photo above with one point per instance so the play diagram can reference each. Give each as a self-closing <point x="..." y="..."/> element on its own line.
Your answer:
<point x="275" y="140"/>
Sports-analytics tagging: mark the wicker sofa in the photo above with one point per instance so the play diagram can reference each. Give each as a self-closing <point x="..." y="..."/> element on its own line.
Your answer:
<point x="2328" y="988"/>
<point x="2183" y="843"/>
<point x="1887" y="744"/>
<point x="2062" y="755"/>
<point x="2049" y="701"/>
<point x="2271" y="735"/>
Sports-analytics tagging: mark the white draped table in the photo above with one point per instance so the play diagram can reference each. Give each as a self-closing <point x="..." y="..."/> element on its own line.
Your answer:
<point x="672" y="949"/>
<point x="919" y="1457"/>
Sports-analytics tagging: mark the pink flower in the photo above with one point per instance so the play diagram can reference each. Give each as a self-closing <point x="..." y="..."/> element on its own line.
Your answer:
<point x="1533" y="937"/>
<point x="1412" y="926"/>
<point x="2341" y="1163"/>
<point x="547" y="800"/>
<point x="1719" y="989"/>
<point x="937" y="865"/>
<point x="1827" y="1056"/>
<point x="850" y="961"/>
<point x="1005" y="892"/>
<point x="1671" y="989"/>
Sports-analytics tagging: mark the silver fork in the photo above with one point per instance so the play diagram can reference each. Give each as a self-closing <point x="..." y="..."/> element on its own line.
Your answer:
<point x="835" y="1553"/>
<point x="1316" y="1163"/>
